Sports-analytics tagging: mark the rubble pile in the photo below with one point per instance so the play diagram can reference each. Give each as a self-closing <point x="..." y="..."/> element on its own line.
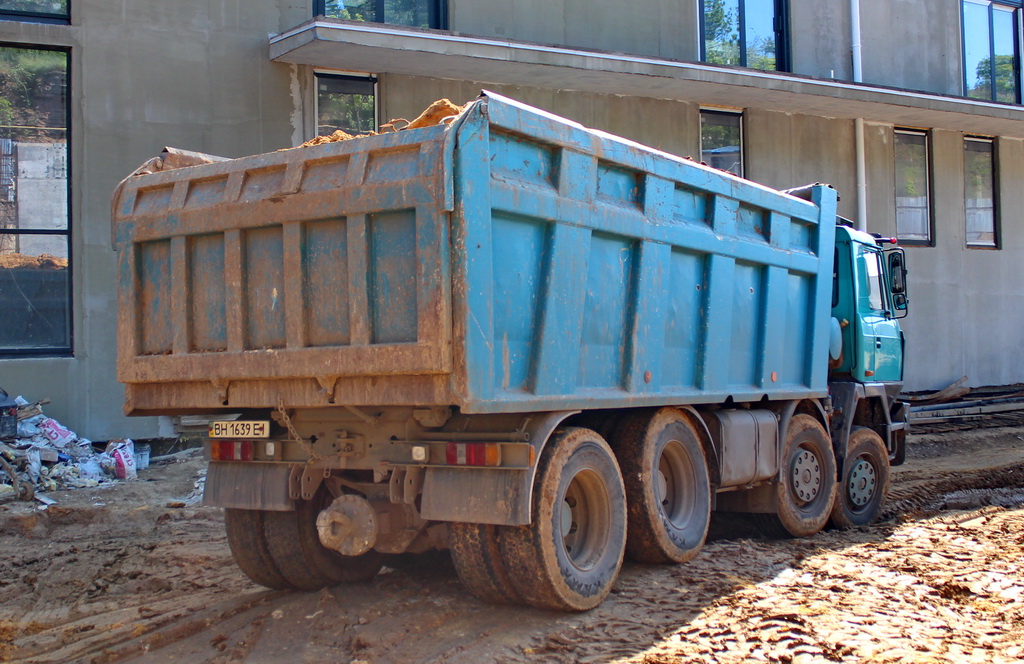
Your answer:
<point x="38" y="453"/>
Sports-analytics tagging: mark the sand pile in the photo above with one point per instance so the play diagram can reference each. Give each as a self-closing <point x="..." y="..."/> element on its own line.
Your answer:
<point x="437" y="113"/>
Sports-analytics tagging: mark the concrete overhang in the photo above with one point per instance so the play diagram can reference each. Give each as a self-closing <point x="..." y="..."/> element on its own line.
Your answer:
<point x="376" y="48"/>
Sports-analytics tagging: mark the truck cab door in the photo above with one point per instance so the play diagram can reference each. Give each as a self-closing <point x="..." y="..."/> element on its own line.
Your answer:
<point x="879" y="340"/>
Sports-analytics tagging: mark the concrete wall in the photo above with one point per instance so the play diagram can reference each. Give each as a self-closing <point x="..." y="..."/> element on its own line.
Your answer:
<point x="912" y="44"/>
<point x="193" y="74"/>
<point x="671" y="126"/>
<point x="664" y="28"/>
<point x="967" y="314"/>
<point x="966" y="306"/>
<point x="820" y="38"/>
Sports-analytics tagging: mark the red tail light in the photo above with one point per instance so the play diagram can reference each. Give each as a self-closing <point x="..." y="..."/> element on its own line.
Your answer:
<point x="231" y="450"/>
<point x="473" y="454"/>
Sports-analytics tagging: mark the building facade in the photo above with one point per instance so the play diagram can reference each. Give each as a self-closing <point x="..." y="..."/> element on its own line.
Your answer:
<point x="910" y="108"/>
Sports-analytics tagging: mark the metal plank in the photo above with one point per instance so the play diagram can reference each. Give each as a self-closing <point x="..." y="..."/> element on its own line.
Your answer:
<point x="560" y="320"/>
<point x="294" y="284"/>
<point x="234" y="295"/>
<point x="358" y="264"/>
<point x="647" y="334"/>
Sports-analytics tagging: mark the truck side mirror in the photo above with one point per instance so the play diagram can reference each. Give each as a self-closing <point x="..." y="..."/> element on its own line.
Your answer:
<point x="898" y="280"/>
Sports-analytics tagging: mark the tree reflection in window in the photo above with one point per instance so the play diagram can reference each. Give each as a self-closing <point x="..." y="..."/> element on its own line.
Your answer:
<point x="34" y="9"/>
<point x="745" y="33"/>
<point x="347" y="103"/>
<point x="34" y="255"/>
<point x="991" y="50"/>
<point x="415" y="13"/>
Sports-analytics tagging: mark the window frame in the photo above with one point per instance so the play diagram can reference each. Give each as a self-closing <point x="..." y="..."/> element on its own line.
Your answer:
<point x="1018" y="26"/>
<point x="996" y="234"/>
<point x="781" y="25"/>
<point x="37" y="17"/>
<point x="737" y="113"/>
<point x="344" y="76"/>
<point x="67" y="350"/>
<point x="929" y="179"/>
<point x="437" y="12"/>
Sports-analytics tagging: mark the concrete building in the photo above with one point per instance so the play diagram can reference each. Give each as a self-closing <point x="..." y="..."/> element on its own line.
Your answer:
<point x="911" y="108"/>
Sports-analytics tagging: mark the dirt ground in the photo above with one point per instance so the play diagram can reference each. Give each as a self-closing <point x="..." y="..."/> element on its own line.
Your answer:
<point x="138" y="572"/>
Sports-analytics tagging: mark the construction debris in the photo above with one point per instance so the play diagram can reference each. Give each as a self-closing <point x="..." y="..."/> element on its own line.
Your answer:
<point x="38" y="453"/>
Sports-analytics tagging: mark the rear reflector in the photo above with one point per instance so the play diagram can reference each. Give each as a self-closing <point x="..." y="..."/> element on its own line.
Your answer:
<point x="231" y="450"/>
<point x="473" y="454"/>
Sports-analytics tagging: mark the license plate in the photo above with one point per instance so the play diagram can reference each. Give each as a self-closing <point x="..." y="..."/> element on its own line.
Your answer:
<point x="240" y="429"/>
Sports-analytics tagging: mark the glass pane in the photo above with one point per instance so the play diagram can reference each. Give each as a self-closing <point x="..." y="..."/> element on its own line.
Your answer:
<point x="34" y="291"/>
<point x="407" y="12"/>
<point x="912" y="216"/>
<point x="351" y="10"/>
<point x="979" y="193"/>
<point x="977" y="57"/>
<point x="720" y="141"/>
<point x="346" y="104"/>
<point x="33" y="140"/>
<point x="1004" y="38"/>
<point x="759" y="21"/>
<point x="48" y="7"/>
<point x="873" y="273"/>
<point x="722" y="32"/>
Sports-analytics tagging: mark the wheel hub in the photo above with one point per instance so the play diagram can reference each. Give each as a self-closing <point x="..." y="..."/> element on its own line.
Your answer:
<point x="806" y="477"/>
<point x="585" y="520"/>
<point x="861" y="485"/>
<point x="662" y="487"/>
<point x="348" y="525"/>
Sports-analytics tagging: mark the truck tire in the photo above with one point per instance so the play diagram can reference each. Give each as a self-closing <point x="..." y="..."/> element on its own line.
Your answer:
<point x="248" y="544"/>
<point x="569" y="557"/>
<point x="668" y="489"/>
<point x="807" y="485"/>
<point x="306" y="563"/>
<point x="476" y="554"/>
<point x="864" y="480"/>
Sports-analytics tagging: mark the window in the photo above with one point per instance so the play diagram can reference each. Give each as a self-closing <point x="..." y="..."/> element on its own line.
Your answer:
<point x="991" y="50"/>
<point x="913" y="190"/>
<point x="747" y="33"/>
<point x="416" y="13"/>
<point x="34" y="253"/>
<point x="47" y="11"/>
<point x="721" y="140"/>
<point x="873" y="276"/>
<point x="979" y="192"/>
<point x="347" y="103"/>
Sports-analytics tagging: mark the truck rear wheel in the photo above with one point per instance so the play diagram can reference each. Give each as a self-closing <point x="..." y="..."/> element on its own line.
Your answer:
<point x="476" y="554"/>
<point x="304" y="562"/>
<point x="569" y="557"/>
<point x="248" y="544"/>
<point x="864" y="480"/>
<point x="807" y="487"/>
<point x="668" y="490"/>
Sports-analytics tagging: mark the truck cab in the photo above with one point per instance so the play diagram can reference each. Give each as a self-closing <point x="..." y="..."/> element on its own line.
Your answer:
<point x="868" y="424"/>
<point x="868" y="298"/>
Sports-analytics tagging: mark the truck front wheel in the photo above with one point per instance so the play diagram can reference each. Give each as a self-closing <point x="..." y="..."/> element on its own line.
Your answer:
<point x="807" y="486"/>
<point x="865" y="480"/>
<point x="667" y="486"/>
<point x="569" y="557"/>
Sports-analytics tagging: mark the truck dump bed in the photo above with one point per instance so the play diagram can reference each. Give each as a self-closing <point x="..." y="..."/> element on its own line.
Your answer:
<point x="510" y="261"/>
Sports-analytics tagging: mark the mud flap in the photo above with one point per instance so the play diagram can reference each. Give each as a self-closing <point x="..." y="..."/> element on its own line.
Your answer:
<point x="498" y="496"/>
<point x="248" y="486"/>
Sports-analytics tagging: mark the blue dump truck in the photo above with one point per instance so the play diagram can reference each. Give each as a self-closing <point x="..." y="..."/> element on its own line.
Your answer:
<point x="541" y="346"/>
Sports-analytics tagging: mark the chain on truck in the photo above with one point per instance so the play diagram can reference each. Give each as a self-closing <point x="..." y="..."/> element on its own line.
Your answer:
<point x="543" y="347"/>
